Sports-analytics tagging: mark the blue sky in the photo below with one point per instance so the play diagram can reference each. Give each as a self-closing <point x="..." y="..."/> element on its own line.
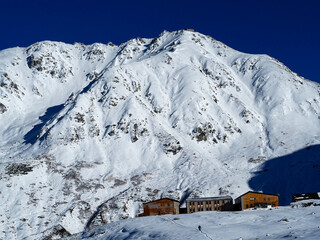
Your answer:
<point x="286" y="30"/>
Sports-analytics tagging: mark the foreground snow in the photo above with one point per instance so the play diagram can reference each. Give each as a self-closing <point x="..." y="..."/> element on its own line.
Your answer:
<point x="277" y="223"/>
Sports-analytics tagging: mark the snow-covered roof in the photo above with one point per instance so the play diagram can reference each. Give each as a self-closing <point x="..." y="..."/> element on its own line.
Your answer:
<point x="302" y="196"/>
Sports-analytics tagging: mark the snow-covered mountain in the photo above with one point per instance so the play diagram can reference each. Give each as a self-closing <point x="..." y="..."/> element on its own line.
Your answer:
<point x="89" y="132"/>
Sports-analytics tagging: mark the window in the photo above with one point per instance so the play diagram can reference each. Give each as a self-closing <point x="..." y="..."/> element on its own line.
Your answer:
<point x="168" y="204"/>
<point x="253" y="198"/>
<point x="268" y="199"/>
<point x="250" y="205"/>
<point x="247" y="206"/>
<point x="264" y="199"/>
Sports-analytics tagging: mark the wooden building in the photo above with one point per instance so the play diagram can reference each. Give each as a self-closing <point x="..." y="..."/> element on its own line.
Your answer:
<point x="160" y="207"/>
<point x="222" y="203"/>
<point x="304" y="196"/>
<point x="256" y="200"/>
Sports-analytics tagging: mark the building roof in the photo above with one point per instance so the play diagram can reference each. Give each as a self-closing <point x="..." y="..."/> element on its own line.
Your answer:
<point x="302" y="196"/>
<point x="257" y="193"/>
<point x="161" y="199"/>
<point x="209" y="199"/>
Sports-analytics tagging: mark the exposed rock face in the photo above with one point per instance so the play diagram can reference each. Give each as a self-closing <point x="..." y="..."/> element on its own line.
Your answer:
<point x="18" y="169"/>
<point x="2" y="108"/>
<point x="92" y="131"/>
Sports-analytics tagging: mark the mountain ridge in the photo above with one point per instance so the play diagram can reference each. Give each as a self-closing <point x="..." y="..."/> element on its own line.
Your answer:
<point x="99" y="126"/>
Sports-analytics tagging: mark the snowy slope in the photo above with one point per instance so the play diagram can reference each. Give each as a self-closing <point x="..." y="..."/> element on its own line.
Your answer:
<point x="91" y="131"/>
<point x="277" y="223"/>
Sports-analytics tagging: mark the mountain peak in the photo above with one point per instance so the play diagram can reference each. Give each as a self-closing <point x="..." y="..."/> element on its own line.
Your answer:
<point x="91" y="130"/>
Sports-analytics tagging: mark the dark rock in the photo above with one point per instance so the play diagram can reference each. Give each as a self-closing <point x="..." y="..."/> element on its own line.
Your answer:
<point x="33" y="63"/>
<point x="3" y="108"/>
<point x="18" y="169"/>
<point x="56" y="232"/>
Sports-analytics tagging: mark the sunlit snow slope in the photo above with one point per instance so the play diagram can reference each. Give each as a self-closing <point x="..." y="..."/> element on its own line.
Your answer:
<point x="89" y="132"/>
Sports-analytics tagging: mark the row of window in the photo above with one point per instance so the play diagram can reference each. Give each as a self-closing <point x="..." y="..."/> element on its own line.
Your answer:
<point x="200" y="204"/>
<point x="208" y="202"/>
<point x="206" y="207"/>
<point x="202" y="209"/>
<point x="253" y="198"/>
<point x="215" y="206"/>
<point x="260" y="205"/>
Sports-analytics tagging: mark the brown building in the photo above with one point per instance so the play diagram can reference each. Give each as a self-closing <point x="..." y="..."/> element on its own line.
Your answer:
<point x="304" y="196"/>
<point x="222" y="203"/>
<point x="160" y="207"/>
<point x="256" y="200"/>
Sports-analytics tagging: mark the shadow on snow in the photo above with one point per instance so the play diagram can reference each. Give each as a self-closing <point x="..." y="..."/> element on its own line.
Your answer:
<point x="298" y="172"/>
<point x="32" y="136"/>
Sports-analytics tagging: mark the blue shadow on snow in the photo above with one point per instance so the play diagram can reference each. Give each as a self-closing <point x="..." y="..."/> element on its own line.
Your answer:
<point x="298" y="172"/>
<point x="32" y="136"/>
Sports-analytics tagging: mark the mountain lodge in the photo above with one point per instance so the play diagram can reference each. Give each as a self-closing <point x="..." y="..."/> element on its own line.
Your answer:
<point x="256" y="200"/>
<point x="305" y="196"/>
<point x="160" y="207"/>
<point x="222" y="203"/>
<point x="247" y="200"/>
